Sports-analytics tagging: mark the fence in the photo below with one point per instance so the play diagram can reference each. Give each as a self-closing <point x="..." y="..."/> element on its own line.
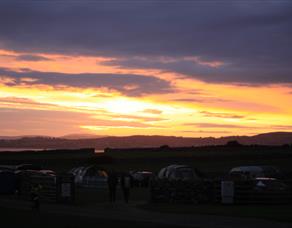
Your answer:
<point x="51" y="188"/>
<point x="255" y="192"/>
<point x="181" y="191"/>
<point x="65" y="189"/>
<point x="213" y="191"/>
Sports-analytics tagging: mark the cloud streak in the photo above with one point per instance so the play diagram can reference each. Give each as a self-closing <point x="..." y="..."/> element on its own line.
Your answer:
<point x="222" y="115"/>
<point x="215" y="125"/>
<point x="33" y="58"/>
<point x="131" y="85"/>
<point x="147" y="67"/>
<point x="230" y="42"/>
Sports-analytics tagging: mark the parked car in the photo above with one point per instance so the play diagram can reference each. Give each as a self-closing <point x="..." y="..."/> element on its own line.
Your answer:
<point x="265" y="179"/>
<point x="265" y="184"/>
<point x="248" y="172"/>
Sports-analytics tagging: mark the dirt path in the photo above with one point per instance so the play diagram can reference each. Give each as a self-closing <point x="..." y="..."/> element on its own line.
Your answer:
<point x="121" y="211"/>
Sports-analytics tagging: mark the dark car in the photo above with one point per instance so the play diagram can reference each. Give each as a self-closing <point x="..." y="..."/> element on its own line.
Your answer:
<point x="251" y="172"/>
<point x="265" y="182"/>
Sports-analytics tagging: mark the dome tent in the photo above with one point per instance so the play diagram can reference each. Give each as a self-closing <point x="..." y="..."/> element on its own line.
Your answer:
<point x="91" y="176"/>
<point x="178" y="172"/>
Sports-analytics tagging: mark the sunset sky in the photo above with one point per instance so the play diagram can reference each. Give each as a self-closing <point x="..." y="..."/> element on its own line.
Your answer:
<point x="182" y="68"/>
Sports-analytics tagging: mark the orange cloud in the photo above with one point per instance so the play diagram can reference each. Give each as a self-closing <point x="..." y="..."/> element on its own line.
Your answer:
<point x="250" y="109"/>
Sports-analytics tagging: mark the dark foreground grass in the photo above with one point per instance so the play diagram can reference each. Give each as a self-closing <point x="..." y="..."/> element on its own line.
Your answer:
<point x="92" y="196"/>
<point x="281" y="213"/>
<point x="15" y="218"/>
<point x="270" y="212"/>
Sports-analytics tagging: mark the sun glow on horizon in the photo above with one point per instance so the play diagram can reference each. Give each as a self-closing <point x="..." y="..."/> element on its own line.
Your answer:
<point x="190" y="108"/>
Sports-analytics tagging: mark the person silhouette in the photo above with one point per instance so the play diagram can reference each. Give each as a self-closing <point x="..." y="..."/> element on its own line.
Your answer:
<point x="126" y="185"/>
<point x="112" y="182"/>
<point x="35" y="197"/>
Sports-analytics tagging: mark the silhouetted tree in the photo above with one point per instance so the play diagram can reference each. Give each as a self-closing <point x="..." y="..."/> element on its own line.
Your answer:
<point x="233" y="143"/>
<point x="164" y="147"/>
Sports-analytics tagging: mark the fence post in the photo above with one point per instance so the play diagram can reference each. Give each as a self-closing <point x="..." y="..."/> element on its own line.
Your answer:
<point x="227" y="192"/>
<point x="65" y="189"/>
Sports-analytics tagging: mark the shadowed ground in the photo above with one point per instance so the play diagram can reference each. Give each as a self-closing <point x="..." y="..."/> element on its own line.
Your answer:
<point x="118" y="215"/>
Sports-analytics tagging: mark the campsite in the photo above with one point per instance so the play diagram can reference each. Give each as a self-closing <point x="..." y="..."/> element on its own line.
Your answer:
<point x="145" y="113"/>
<point x="79" y="183"/>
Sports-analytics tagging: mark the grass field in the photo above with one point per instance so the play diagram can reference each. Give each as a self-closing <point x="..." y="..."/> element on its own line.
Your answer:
<point x="213" y="167"/>
<point x="88" y="196"/>
<point x="14" y="218"/>
<point x="271" y="212"/>
<point x="280" y="213"/>
<point x="98" y="198"/>
<point x="214" y="160"/>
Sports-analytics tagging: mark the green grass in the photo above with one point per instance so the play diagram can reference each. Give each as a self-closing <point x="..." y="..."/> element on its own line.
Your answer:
<point x="280" y="213"/>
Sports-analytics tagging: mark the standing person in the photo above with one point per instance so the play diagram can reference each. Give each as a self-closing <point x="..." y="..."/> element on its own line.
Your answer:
<point x="126" y="185"/>
<point x="35" y="197"/>
<point x="112" y="181"/>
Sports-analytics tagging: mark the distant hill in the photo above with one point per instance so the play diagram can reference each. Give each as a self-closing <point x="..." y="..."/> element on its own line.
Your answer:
<point x="274" y="138"/>
<point x="82" y="136"/>
<point x="21" y="136"/>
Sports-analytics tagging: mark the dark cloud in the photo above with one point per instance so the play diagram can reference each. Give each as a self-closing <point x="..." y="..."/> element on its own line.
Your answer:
<point x="209" y="132"/>
<point x="33" y="58"/>
<point x="14" y="101"/>
<point x="214" y="125"/>
<point x="281" y="127"/>
<point x="204" y="99"/>
<point x="188" y="100"/>
<point x="245" y="72"/>
<point x="251" y="37"/>
<point x="231" y="126"/>
<point x="131" y="85"/>
<point x="222" y="115"/>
